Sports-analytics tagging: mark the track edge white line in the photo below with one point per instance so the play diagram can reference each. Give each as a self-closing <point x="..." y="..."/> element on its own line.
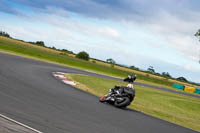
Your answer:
<point x="23" y="125"/>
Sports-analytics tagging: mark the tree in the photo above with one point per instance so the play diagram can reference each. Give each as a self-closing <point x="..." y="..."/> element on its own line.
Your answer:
<point x="133" y="67"/>
<point x="197" y="34"/>
<point x="83" y="55"/>
<point x="182" y="79"/>
<point x="111" y="61"/>
<point x="151" y="69"/>
<point x="53" y="47"/>
<point x="40" y="43"/>
<point x="67" y="51"/>
<point x="166" y="74"/>
<point x="2" y="33"/>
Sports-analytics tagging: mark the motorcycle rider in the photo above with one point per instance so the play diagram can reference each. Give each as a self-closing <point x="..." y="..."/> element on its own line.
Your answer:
<point x="130" y="80"/>
<point x="119" y="89"/>
<point x="121" y="96"/>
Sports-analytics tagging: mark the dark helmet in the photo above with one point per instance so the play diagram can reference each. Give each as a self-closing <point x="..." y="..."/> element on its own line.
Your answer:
<point x="130" y="78"/>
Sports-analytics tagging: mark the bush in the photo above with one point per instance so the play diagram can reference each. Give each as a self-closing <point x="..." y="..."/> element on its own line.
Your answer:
<point x="83" y="55"/>
<point x="182" y="79"/>
<point x="40" y="43"/>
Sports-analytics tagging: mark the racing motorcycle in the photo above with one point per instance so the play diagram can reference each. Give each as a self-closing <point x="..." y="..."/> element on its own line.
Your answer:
<point x="121" y="96"/>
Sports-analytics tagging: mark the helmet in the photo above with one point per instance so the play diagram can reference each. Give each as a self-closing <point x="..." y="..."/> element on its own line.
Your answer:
<point x="130" y="78"/>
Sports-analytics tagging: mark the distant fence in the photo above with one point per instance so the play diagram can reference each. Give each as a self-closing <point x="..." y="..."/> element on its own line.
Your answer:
<point x="186" y="88"/>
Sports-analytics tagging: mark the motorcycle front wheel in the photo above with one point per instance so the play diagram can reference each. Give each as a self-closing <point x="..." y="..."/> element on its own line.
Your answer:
<point x="122" y="104"/>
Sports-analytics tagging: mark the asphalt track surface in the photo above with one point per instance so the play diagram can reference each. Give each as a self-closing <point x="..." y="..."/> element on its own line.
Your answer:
<point x="31" y="95"/>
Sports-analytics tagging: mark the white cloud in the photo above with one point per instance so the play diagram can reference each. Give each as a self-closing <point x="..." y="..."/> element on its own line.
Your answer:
<point x="177" y="33"/>
<point x="108" y="32"/>
<point x="20" y="32"/>
<point x="154" y="44"/>
<point x="55" y="11"/>
<point x="87" y="29"/>
<point x="192" y="68"/>
<point x="187" y="45"/>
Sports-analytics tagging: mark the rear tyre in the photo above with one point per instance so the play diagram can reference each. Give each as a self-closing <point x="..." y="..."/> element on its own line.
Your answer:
<point x="122" y="104"/>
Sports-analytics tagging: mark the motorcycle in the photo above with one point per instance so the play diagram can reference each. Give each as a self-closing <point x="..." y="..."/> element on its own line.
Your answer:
<point x="120" y="96"/>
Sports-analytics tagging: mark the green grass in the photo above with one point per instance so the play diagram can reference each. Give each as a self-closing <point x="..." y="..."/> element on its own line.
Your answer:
<point x="13" y="46"/>
<point x="176" y="108"/>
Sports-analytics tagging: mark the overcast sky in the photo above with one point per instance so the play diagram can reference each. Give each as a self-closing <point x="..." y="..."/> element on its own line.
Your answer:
<point x="143" y="33"/>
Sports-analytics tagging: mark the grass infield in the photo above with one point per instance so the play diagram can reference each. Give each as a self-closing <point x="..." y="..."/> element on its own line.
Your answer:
<point x="179" y="109"/>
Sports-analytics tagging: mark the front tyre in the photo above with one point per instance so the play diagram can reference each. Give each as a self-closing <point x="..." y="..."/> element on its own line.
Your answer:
<point x="122" y="104"/>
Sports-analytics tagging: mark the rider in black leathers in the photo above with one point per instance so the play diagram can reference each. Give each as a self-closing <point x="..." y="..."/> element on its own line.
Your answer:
<point x="120" y="89"/>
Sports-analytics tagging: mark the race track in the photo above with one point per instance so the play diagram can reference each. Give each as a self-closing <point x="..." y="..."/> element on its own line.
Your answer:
<point x="31" y="95"/>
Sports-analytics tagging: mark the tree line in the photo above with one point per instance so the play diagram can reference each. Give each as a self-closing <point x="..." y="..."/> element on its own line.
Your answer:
<point x="165" y="74"/>
<point x="5" y="34"/>
<point x="42" y="44"/>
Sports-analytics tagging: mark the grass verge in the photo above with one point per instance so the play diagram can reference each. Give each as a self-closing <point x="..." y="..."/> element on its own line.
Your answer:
<point x="175" y="108"/>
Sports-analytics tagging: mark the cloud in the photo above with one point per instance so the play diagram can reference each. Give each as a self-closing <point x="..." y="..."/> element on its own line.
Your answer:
<point x="186" y="46"/>
<point x="7" y="8"/>
<point x="20" y="32"/>
<point x="177" y="33"/>
<point x="55" y="11"/>
<point x="108" y="32"/>
<point x="192" y="68"/>
<point x="82" y="28"/>
<point x="92" y="8"/>
<point x="117" y="9"/>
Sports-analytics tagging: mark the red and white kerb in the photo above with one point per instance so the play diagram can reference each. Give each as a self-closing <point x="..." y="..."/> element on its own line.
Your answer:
<point x="61" y="76"/>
